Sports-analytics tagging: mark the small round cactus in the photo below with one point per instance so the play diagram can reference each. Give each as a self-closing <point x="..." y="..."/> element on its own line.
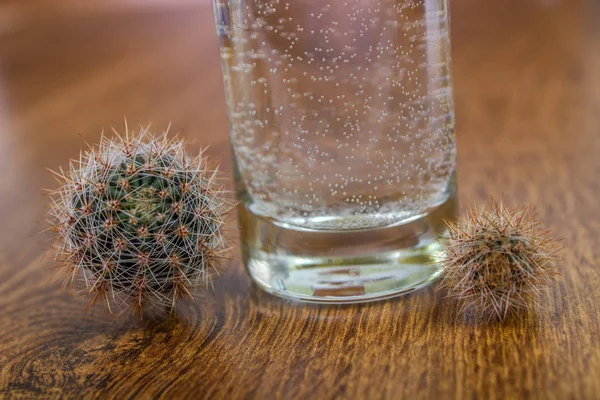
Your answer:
<point x="497" y="260"/>
<point x="138" y="221"/>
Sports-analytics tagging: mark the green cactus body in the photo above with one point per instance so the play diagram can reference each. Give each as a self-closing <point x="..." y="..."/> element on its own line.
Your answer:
<point x="497" y="260"/>
<point x="139" y="221"/>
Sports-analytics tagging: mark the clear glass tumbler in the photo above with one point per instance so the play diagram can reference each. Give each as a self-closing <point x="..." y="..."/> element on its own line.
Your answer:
<point x="342" y="129"/>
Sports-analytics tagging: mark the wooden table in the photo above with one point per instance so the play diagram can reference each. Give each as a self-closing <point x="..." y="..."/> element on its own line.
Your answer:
<point x="527" y="76"/>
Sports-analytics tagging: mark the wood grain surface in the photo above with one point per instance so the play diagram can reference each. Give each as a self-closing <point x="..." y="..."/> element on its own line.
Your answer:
<point x="527" y="86"/>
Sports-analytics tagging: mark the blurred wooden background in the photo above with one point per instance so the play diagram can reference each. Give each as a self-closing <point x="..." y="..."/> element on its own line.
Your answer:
<point x="527" y="86"/>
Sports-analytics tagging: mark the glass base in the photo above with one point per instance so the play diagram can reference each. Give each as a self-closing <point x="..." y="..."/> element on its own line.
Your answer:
<point x="344" y="266"/>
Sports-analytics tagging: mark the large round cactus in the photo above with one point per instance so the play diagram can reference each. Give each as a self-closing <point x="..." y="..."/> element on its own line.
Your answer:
<point x="138" y="221"/>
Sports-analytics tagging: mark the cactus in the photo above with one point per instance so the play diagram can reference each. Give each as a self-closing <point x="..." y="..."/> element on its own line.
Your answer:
<point x="497" y="260"/>
<point x="138" y="221"/>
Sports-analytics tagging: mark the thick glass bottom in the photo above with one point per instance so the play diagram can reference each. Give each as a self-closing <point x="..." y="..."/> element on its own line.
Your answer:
<point x="344" y="266"/>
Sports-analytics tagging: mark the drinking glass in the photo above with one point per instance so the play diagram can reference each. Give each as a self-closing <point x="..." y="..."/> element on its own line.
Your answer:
<point x="342" y="131"/>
